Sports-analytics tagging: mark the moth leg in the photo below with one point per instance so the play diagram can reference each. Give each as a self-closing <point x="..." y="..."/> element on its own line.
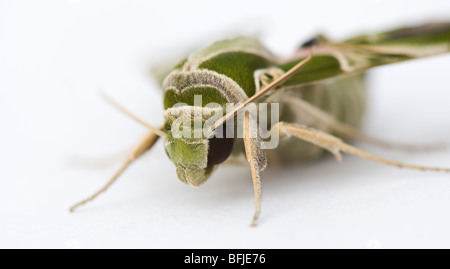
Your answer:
<point x="257" y="162"/>
<point x="145" y="145"/>
<point x="336" y="145"/>
<point x="353" y="133"/>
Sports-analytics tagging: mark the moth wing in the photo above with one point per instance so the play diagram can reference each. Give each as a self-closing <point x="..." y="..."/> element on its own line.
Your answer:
<point x="363" y="52"/>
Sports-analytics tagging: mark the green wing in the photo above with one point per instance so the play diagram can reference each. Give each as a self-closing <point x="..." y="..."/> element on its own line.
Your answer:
<point x="360" y="53"/>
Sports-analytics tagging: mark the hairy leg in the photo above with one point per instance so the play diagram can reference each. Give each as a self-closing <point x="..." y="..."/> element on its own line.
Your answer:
<point x="351" y="132"/>
<point x="335" y="145"/>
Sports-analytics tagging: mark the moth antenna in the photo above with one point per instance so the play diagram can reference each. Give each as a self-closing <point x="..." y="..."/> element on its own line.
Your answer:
<point x="122" y="168"/>
<point x="269" y="87"/>
<point x="143" y="147"/>
<point x="122" y="109"/>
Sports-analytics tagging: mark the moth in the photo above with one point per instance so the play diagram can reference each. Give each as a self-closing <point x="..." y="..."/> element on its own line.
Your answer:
<point x="319" y="92"/>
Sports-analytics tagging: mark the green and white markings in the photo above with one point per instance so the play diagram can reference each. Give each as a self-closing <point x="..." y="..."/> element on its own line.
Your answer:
<point x="190" y="132"/>
<point x="198" y="120"/>
<point x="204" y="88"/>
<point x="235" y="99"/>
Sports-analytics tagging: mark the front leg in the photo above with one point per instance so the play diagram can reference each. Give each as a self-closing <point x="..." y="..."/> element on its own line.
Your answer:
<point x="257" y="161"/>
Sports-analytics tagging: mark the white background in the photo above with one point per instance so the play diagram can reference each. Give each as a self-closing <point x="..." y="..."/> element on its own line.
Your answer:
<point x="55" y="58"/>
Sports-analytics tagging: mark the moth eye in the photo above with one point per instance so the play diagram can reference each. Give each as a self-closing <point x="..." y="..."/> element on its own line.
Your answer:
<point x="219" y="148"/>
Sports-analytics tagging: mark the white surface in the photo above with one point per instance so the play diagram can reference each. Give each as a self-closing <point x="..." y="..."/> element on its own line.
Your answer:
<point x="55" y="56"/>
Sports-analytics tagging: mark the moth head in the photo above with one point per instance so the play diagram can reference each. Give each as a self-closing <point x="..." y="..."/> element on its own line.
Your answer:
<point x="194" y="152"/>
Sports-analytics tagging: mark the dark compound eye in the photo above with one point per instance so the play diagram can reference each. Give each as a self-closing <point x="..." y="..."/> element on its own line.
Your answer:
<point x="219" y="148"/>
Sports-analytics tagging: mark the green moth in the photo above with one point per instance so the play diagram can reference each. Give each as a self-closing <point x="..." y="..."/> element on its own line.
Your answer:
<point x="319" y="92"/>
